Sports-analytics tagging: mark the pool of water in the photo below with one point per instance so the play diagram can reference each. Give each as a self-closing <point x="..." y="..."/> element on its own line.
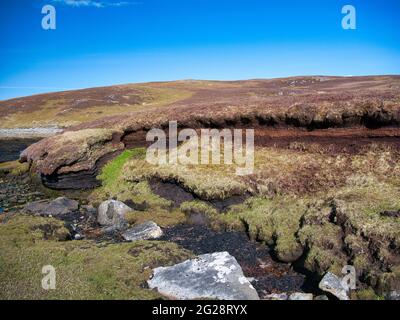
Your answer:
<point x="10" y="149"/>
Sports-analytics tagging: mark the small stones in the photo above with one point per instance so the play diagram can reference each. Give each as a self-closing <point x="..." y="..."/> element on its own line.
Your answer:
<point x="321" y="297"/>
<point x="144" y="231"/>
<point x="301" y="296"/>
<point x="276" y="296"/>
<point x="215" y="276"/>
<point x="16" y="191"/>
<point x="332" y="284"/>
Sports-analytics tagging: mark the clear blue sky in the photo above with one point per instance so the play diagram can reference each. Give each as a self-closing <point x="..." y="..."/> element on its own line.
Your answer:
<point x="121" y="41"/>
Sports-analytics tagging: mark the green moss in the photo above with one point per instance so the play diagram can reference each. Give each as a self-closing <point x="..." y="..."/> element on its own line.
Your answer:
<point x="274" y="221"/>
<point x="111" y="171"/>
<point x="389" y="281"/>
<point x="322" y="260"/>
<point x="366" y="294"/>
<point x="84" y="269"/>
<point x="14" y="168"/>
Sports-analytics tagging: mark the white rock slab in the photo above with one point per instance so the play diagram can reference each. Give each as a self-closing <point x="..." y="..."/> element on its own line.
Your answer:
<point x="214" y="276"/>
<point x="332" y="284"/>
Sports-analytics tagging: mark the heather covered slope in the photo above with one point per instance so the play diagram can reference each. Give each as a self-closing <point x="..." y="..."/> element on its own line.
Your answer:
<point x="359" y="104"/>
<point x="68" y="108"/>
<point x="281" y="99"/>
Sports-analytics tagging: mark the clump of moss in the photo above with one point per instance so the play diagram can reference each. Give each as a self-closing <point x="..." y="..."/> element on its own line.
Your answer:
<point x="84" y="269"/>
<point x="366" y="294"/>
<point x="198" y="207"/>
<point x="387" y="282"/>
<point x="14" y="168"/>
<point x="324" y="243"/>
<point x="273" y="221"/>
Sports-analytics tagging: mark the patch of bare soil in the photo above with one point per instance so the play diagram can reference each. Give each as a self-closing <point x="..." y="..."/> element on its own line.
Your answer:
<point x="176" y="193"/>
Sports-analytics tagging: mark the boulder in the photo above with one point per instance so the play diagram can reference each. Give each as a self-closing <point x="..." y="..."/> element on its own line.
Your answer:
<point x="301" y="296"/>
<point x="111" y="213"/>
<point x="144" y="231"/>
<point x="332" y="284"/>
<point x="212" y="276"/>
<point x="59" y="207"/>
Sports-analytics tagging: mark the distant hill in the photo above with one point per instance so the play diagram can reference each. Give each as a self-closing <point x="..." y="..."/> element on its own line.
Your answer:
<point x="72" y="108"/>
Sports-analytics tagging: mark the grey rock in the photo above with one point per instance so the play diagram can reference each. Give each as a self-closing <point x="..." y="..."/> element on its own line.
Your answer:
<point x="58" y="207"/>
<point x="332" y="284"/>
<point x="394" y="295"/>
<point x="301" y="296"/>
<point x="215" y="276"/>
<point x="144" y="231"/>
<point x="321" y="297"/>
<point x="112" y="213"/>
